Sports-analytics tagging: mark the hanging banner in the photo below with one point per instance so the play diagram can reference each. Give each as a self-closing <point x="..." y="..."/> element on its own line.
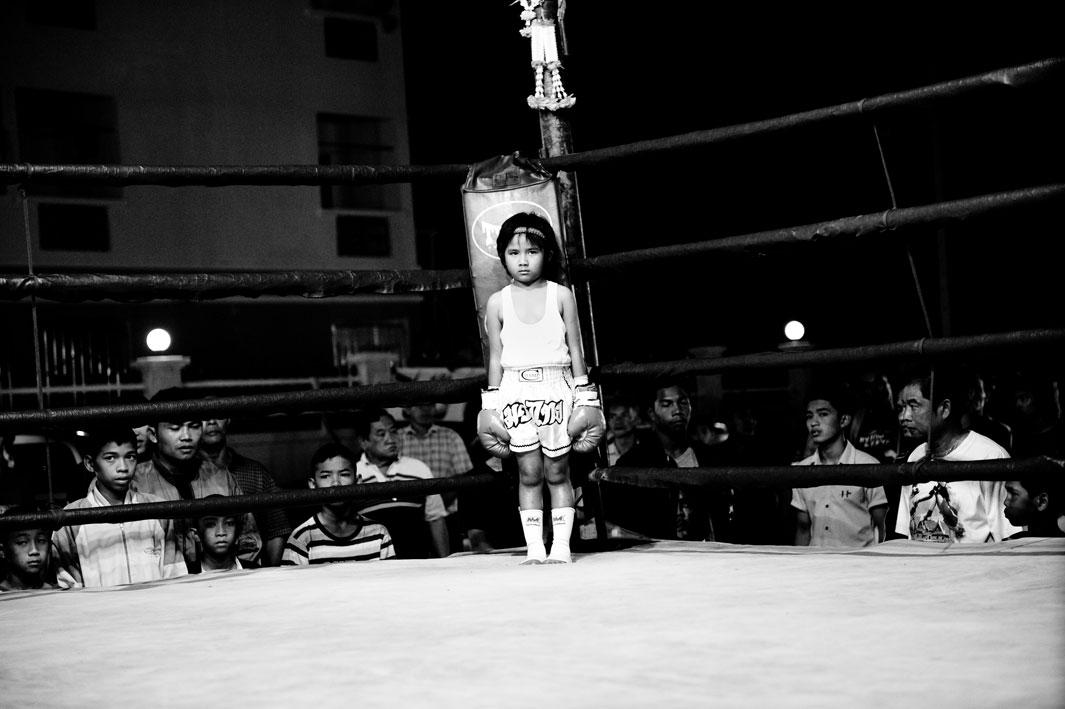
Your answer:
<point x="495" y="190"/>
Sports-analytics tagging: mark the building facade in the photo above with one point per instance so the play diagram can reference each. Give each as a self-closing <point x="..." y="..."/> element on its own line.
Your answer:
<point x="277" y="82"/>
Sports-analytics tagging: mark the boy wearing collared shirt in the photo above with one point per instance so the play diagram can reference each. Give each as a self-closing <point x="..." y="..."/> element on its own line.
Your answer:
<point x="124" y="552"/>
<point x="836" y="515"/>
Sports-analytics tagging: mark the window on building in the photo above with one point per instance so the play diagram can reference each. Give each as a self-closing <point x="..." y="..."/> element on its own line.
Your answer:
<point x="73" y="227"/>
<point x="350" y="39"/>
<point x="76" y="14"/>
<point x="363" y="236"/>
<point x="356" y="140"/>
<point x="61" y="127"/>
<point x="65" y="128"/>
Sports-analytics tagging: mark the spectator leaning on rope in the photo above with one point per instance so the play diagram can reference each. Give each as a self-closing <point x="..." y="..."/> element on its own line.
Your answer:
<point x="177" y="471"/>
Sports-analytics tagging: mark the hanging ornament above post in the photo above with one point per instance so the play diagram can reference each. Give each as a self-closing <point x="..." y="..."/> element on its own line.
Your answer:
<point x="549" y="94"/>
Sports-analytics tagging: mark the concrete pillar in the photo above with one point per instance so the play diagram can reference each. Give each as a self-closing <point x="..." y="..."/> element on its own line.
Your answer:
<point x="160" y="372"/>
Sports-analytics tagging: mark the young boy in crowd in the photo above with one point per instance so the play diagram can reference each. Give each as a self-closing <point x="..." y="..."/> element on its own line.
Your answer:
<point x="99" y="554"/>
<point x="215" y="538"/>
<point x="26" y="558"/>
<point x="338" y="532"/>
<point x="1036" y="504"/>
<point x="836" y="515"/>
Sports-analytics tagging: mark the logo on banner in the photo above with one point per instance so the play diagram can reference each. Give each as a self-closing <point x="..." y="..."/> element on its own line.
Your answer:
<point x="486" y="225"/>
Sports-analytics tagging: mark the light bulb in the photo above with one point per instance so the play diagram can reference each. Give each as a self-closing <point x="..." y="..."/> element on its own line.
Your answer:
<point x="158" y="340"/>
<point x="794" y="330"/>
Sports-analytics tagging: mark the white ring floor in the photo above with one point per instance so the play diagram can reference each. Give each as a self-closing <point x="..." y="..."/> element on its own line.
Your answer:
<point x="666" y="623"/>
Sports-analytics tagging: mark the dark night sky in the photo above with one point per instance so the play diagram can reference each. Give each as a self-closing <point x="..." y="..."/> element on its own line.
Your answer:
<point x="663" y="72"/>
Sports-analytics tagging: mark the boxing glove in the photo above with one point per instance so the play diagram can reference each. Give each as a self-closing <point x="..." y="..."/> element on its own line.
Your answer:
<point x="586" y="422"/>
<point x="490" y="429"/>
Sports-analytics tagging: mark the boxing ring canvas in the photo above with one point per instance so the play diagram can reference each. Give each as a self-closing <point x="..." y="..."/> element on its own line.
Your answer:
<point x="688" y="624"/>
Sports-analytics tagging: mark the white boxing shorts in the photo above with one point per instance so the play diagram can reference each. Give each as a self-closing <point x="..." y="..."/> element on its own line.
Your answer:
<point x="535" y="404"/>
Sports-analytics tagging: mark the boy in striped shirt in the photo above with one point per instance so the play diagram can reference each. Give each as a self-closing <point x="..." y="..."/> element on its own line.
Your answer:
<point x="338" y="532"/>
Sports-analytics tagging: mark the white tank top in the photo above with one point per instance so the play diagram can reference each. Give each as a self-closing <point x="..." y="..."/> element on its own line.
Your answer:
<point x="536" y="344"/>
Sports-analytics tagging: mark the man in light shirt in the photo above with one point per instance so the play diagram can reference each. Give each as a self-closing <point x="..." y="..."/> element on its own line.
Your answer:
<point x="836" y="515"/>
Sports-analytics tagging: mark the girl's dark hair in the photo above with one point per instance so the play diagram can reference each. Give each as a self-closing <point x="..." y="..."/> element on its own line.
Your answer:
<point x="537" y="230"/>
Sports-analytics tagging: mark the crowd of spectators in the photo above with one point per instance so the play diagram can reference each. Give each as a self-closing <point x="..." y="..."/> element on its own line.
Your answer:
<point x="949" y="416"/>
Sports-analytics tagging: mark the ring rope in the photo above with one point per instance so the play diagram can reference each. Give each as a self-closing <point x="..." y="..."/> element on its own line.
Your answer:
<point x="857" y="226"/>
<point x="453" y="390"/>
<point x="221" y="175"/>
<point x="1012" y="76"/>
<point x="293" y="402"/>
<point x="913" y="349"/>
<point x="176" y="509"/>
<point x="227" y="175"/>
<point x="863" y="475"/>
<point x="323" y="284"/>
<point x="129" y="288"/>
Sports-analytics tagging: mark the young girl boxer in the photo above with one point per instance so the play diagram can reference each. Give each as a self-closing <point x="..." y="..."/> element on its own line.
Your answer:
<point x="539" y="403"/>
